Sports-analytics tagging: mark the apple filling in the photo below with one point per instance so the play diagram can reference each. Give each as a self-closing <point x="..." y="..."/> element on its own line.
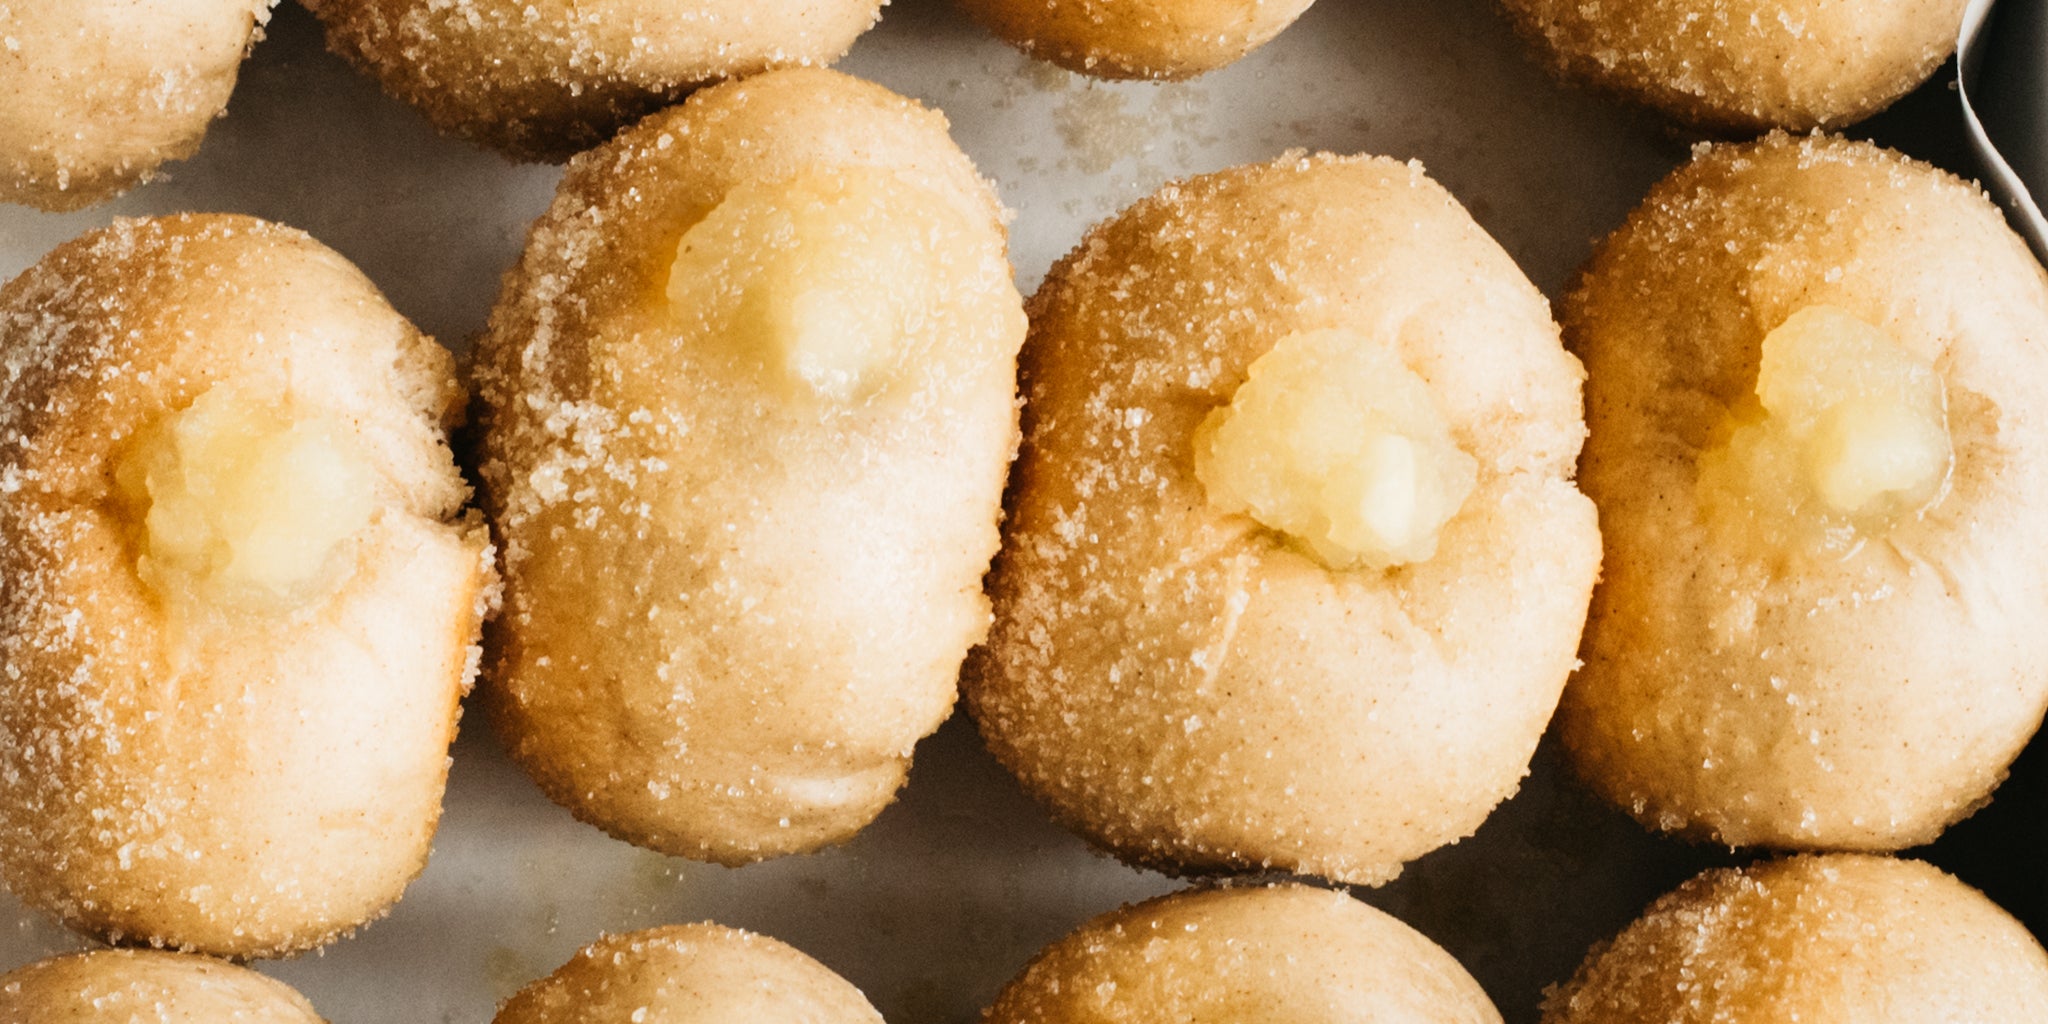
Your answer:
<point x="242" y="500"/>
<point x="1336" y="445"/>
<point x="821" y="277"/>
<point x="1847" y="435"/>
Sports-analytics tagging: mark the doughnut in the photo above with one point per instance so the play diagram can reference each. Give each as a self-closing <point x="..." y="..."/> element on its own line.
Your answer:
<point x="1742" y="67"/>
<point x="1822" y="939"/>
<point x="746" y="485"/>
<point x="1159" y="39"/>
<point x="1819" y="412"/>
<point x="689" y="974"/>
<point x="239" y="598"/>
<point x="544" y="79"/>
<point x="1289" y="954"/>
<point x="136" y="986"/>
<point x="1295" y="567"/>
<point x="100" y="93"/>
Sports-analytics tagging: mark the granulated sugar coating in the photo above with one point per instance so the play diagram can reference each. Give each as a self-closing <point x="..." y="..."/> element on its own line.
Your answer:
<point x="690" y="974"/>
<point x="1746" y="66"/>
<point x="98" y="93"/>
<point x="1137" y="38"/>
<point x="750" y="397"/>
<point x="1834" y="939"/>
<point x="542" y="79"/>
<point x="1283" y="955"/>
<point x="1762" y="667"/>
<point x="224" y="720"/>
<point x="146" y="987"/>
<point x="1198" y="692"/>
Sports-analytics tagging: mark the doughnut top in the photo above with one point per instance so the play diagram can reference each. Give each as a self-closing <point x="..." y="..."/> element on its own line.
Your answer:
<point x="1833" y="938"/>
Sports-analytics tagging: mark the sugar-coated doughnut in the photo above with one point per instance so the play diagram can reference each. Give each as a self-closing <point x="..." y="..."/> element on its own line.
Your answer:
<point x="1833" y="939"/>
<point x="146" y="987"/>
<point x="1819" y="412"/>
<point x="1137" y="38"/>
<point x="1746" y="66"/>
<point x="238" y="597"/>
<point x="543" y="79"/>
<point x="689" y="974"/>
<point x="1288" y="954"/>
<point x="749" y="403"/>
<point x="99" y="93"/>
<point x="1296" y="567"/>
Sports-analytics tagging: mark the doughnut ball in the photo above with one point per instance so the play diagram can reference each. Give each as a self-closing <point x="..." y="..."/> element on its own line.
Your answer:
<point x="1742" y="67"/>
<point x="1295" y="568"/>
<point x="99" y="93"/>
<point x="1288" y="954"/>
<point x="689" y="974"/>
<point x="239" y="598"/>
<point x="1166" y="39"/>
<point x="749" y="404"/>
<point x="1831" y="939"/>
<point x="146" y="987"/>
<point x="1819" y="411"/>
<point x="544" y="79"/>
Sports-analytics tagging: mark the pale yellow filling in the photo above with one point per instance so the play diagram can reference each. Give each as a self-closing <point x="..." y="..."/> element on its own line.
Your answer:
<point x="244" y="500"/>
<point x="1335" y="444"/>
<point x="821" y="277"/>
<point x="1848" y="435"/>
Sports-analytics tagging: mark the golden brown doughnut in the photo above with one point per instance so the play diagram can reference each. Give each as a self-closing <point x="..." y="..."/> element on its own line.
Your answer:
<point x="1837" y="939"/>
<point x="1295" y="567"/>
<point x="542" y="79"/>
<point x="747" y="484"/>
<point x="1137" y="38"/>
<point x="1282" y="955"/>
<point x="238" y="595"/>
<point x="1819" y="412"/>
<point x="689" y="974"/>
<point x="146" y="987"/>
<point x="99" y="93"/>
<point x="1746" y="66"/>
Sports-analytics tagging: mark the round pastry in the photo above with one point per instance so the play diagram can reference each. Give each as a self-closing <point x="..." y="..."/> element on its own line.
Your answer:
<point x="543" y="79"/>
<point x="1295" y="569"/>
<point x="1746" y="66"/>
<point x="749" y="403"/>
<point x="1137" y="38"/>
<point x="689" y="974"/>
<point x="1819" y="411"/>
<point x="101" y="92"/>
<point x="240" y="598"/>
<point x="1835" y="939"/>
<point x="1288" y="954"/>
<point x="134" y="986"/>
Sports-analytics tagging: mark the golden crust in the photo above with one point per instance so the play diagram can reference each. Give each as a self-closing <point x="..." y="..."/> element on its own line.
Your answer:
<point x="730" y="616"/>
<point x="218" y="780"/>
<point x="1742" y="67"/>
<point x="1864" y="703"/>
<point x="1282" y="955"/>
<point x="543" y="79"/>
<point x="1177" y="684"/>
<point x="1161" y="39"/>
<point x="101" y="92"/>
<point x="1842" y="937"/>
<point x="690" y="974"/>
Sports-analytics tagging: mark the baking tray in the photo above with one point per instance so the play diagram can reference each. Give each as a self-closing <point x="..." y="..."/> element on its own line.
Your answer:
<point x="937" y="904"/>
